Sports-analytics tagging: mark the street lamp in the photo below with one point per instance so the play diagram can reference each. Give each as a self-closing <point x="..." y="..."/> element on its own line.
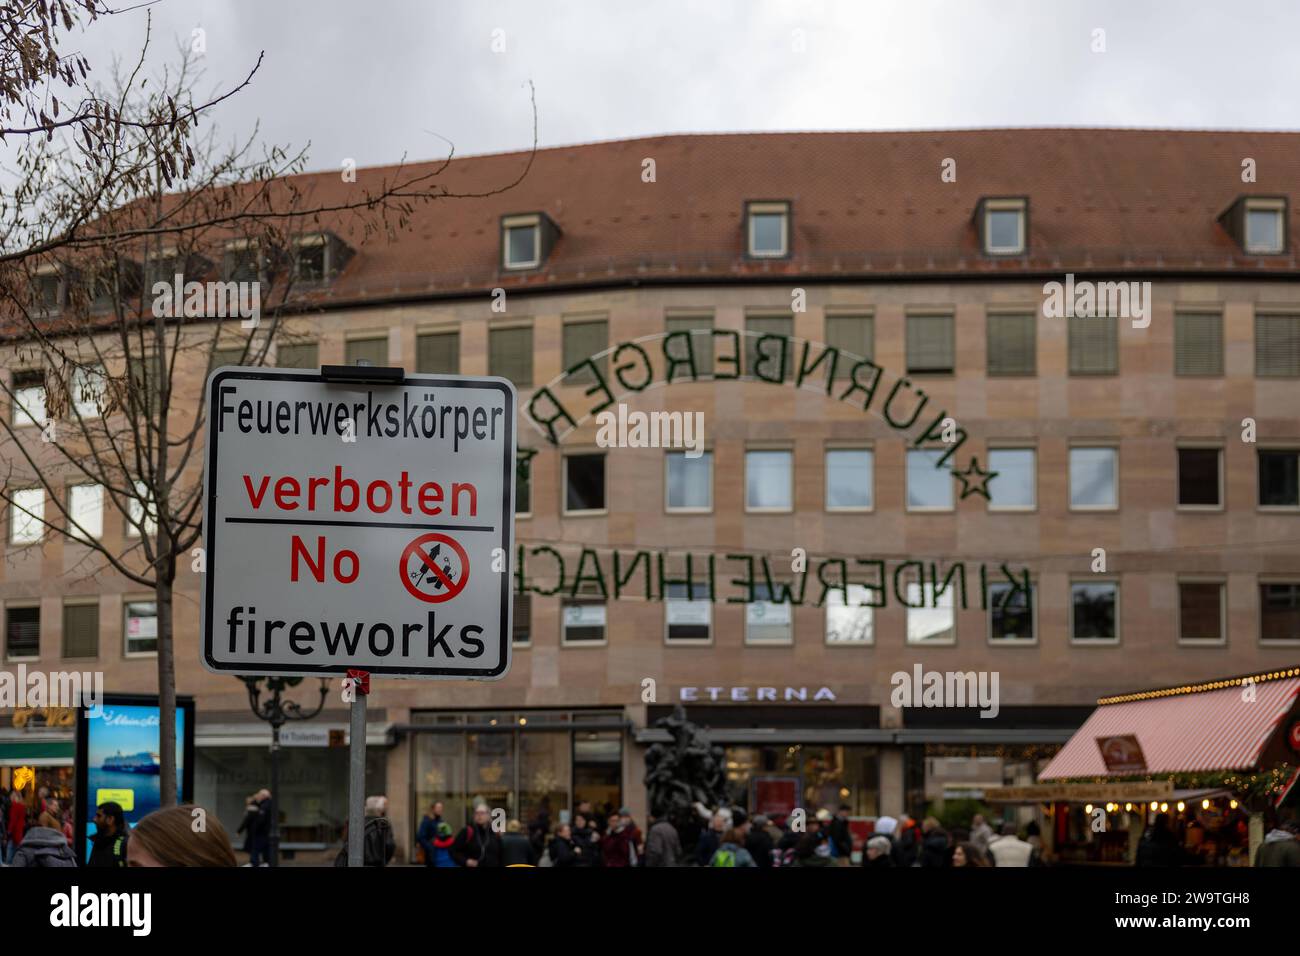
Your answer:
<point x="277" y="711"/>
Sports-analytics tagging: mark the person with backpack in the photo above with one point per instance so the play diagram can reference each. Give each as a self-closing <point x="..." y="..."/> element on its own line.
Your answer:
<point x="731" y="852"/>
<point x="516" y="848"/>
<point x="442" y="840"/>
<point x="44" y="846"/>
<point x="477" y="845"/>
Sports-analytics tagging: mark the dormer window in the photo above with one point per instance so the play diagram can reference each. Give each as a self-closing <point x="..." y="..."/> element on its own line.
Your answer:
<point x="47" y="288"/>
<point x="1258" y="224"/>
<point x="1265" y="226"/>
<point x="319" y="257"/>
<point x="767" y="225"/>
<point x="242" y="261"/>
<point x="527" y="240"/>
<point x="1002" y="224"/>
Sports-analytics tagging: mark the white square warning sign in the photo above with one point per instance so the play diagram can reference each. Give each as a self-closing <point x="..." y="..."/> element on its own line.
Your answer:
<point x="360" y="525"/>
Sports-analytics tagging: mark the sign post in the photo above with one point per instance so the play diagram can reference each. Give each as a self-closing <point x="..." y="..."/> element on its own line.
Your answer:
<point x="359" y="522"/>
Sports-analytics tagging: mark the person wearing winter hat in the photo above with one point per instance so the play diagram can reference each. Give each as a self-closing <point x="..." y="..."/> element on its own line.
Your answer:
<point x="442" y="846"/>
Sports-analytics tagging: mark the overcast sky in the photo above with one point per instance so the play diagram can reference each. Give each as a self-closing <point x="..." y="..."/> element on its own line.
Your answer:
<point x="373" y="79"/>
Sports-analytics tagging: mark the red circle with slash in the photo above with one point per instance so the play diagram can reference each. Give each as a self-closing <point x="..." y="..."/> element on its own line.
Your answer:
<point x="416" y="549"/>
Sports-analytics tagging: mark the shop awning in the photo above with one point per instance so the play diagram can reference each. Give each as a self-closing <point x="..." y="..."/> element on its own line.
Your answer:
<point x="1210" y="730"/>
<point x="37" y="753"/>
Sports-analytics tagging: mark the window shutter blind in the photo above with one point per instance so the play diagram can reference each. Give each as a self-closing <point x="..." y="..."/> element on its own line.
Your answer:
<point x="510" y="355"/>
<point x="1011" y="345"/>
<point x="298" y="355"/>
<point x="1198" y="344"/>
<point x="81" y="630"/>
<point x="582" y="340"/>
<point x="1093" y="345"/>
<point x="768" y="325"/>
<point x="853" y="334"/>
<point x="701" y="329"/>
<point x="375" y="351"/>
<point x="438" y="353"/>
<point x="929" y="343"/>
<point x="1277" y="345"/>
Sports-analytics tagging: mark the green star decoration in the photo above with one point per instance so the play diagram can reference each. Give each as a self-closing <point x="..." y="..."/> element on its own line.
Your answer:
<point x="974" y="480"/>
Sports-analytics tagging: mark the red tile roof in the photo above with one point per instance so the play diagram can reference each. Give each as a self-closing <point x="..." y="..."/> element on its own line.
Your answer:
<point x="864" y="204"/>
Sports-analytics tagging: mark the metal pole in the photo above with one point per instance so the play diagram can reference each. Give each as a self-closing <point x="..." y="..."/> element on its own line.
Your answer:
<point x="275" y="794"/>
<point x="356" y="774"/>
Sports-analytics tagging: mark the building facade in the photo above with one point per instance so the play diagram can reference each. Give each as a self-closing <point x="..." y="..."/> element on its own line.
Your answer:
<point x="1114" y="333"/>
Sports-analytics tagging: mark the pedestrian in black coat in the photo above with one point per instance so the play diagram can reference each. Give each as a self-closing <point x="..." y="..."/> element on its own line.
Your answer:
<point x="478" y="845"/>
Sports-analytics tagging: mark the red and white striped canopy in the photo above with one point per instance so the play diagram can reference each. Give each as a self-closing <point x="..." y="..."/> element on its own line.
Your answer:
<point x="1212" y="730"/>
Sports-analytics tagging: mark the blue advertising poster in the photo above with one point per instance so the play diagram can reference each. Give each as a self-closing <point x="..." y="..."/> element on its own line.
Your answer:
<point x="119" y="757"/>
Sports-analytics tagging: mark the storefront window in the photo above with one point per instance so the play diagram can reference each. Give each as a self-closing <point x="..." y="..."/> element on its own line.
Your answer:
<point x="813" y="777"/>
<point x="544" y="770"/>
<point x="598" y="768"/>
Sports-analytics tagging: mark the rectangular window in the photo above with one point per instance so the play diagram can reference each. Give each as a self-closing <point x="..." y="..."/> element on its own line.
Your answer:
<point x="849" y="479"/>
<point x="1094" y="479"/>
<point x="1279" y="612"/>
<point x="1015" y="486"/>
<point x="854" y="336"/>
<point x="1094" y="345"/>
<point x="29" y="397"/>
<point x="689" y="482"/>
<point x="1004" y="227"/>
<point x="930" y="345"/>
<point x="1012" y="344"/>
<point x="769" y="229"/>
<point x="47" y="291"/>
<point x="438" y="353"/>
<point x="768" y="621"/>
<point x="701" y="329"/>
<point x="1200" y="611"/>
<point x="1199" y="477"/>
<point x="1279" y="478"/>
<point x="768" y="480"/>
<point x="241" y="262"/>
<point x="374" y="351"/>
<point x="140" y="515"/>
<point x="688" y="617"/>
<point x="89" y="391"/>
<point x="584" y="620"/>
<point x="1277" y="346"/>
<point x="141" y="627"/>
<point x="297" y="355"/>
<point x="309" y="259"/>
<point x="81" y="630"/>
<point x="26" y="516"/>
<point x="1265" y="226"/>
<point x="584" y="483"/>
<point x="233" y="355"/>
<point x="521" y="242"/>
<point x="849" y="622"/>
<point x="510" y="354"/>
<point x="1198" y="344"/>
<point x="1094" y="611"/>
<point x="930" y="617"/>
<point x="1011" y="613"/>
<point x="756" y="326"/>
<point x="584" y="340"/>
<point x="22" y="632"/>
<point x="86" y="509"/>
<point x="929" y="485"/>
<point x="521" y="625"/>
